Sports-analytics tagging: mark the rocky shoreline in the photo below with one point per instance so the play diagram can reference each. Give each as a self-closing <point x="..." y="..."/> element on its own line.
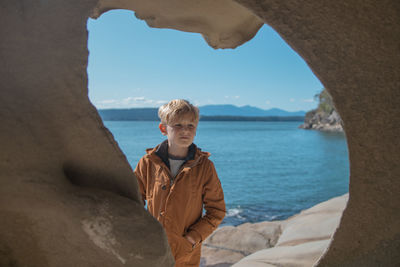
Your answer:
<point x="325" y="116"/>
<point x="315" y="120"/>
<point x="298" y="241"/>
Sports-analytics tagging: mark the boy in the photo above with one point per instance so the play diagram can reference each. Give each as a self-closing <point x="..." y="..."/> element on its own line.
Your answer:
<point x="177" y="179"/>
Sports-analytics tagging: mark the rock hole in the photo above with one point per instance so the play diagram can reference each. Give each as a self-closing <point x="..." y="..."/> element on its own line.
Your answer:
<point x="320" y="175"/>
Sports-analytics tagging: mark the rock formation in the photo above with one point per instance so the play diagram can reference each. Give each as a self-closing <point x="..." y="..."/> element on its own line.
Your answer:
<point x="322" y="122"/>
<point x="315" y="120"/>
<point x="67" y="194"/>
<point x="324" y="117"/>
<point x="297" y="241"/>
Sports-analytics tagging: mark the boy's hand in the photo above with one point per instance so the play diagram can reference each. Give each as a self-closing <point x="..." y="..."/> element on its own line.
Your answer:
<point x="190" y="239"/>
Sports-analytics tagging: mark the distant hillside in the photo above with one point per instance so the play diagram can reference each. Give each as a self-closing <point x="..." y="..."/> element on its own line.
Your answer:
<point x="247" y="111"/>
<point x="209" y="113"/>
<point x="246" y="118"/>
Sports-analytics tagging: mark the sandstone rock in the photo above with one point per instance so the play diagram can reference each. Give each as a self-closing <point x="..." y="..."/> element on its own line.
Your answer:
<point x="277" y="239"/>
<point x="316" y="223"/>
<point x="223" y="23"/>
<point x="213" y="256"/>
<point x="48" y="122"/>
<point x="302" y="255"/>
<point x="304" y="237"/>
<point x="246" y="238"/>
<point x="228" y="244"/>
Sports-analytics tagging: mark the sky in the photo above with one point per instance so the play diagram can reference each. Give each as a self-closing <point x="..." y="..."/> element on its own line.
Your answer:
<point x="132" y="65"/>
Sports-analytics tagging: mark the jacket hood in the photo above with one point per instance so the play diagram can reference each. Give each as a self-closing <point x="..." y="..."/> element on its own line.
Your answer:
<point x="160" y="152"/>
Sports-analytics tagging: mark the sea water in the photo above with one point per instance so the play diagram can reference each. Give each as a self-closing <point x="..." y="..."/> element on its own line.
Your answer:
<point x="268" y="170"/>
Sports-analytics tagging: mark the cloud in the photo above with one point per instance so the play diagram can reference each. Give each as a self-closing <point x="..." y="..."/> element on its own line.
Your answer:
<point x="267" y="102"/>
<point x="129" y="102"/>
<point x="310" y="100"/>
<point x="135" y="100"/>
<point x="141" y="98"/>
<point x="232" y="97"/>
<point x="292" y="100"/>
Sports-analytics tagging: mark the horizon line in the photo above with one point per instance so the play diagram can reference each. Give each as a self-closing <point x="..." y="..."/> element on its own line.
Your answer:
<point x="156" y="107"/>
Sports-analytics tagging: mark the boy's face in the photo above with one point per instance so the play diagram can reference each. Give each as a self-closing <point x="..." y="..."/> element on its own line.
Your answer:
<point x="181" y="132"/>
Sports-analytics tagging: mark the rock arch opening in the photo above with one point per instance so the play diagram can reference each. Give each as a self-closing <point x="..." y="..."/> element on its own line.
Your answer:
<point x="47" y="121"/>
<point x="241" y="212"/>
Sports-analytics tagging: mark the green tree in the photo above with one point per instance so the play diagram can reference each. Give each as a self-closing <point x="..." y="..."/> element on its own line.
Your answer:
<point x="325" y="102"/>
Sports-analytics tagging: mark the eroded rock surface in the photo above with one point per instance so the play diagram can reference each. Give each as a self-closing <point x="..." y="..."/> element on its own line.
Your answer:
<point x="297" y="241"/>
<point x="68" y="196"/>
<point x="322" y="122"/>
<point x="55" y="149"/>
<point x="223" y="23"/>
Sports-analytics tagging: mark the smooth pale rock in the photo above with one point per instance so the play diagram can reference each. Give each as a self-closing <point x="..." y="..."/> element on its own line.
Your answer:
<point x="269" y="230"/>
<point x="54" y="143"/>
<point x="78" y="227"/>
<point x="68" y="196"/>
<point x="316" y="223"/>
<point x="228" y="244"/>
<point x="333" y="205"/>
<point x="303" y="255"/>
<point x="212" y="256"/>
<point x="246" y="238"/>
<point x="353" y="48"/>
<point x="223" y="23"/>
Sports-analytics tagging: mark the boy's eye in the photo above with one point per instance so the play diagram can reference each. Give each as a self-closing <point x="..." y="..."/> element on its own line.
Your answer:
<point x="178" y="126"/>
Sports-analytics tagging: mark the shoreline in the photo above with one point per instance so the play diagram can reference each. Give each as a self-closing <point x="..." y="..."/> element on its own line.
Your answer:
<point x="308" y="233"/>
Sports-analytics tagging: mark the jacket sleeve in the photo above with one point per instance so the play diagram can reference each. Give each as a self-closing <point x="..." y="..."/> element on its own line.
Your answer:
<point x="140" y="173"/>
<point x="214" y="204"/>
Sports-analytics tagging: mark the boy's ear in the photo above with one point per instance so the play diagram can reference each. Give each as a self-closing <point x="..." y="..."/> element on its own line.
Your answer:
<point x="163" y="128"/>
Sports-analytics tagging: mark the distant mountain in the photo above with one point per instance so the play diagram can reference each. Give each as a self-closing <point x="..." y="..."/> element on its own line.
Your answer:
<point x="246" y="111"/>
<point x="208" y="112"/>
<point x="247" y="118"/>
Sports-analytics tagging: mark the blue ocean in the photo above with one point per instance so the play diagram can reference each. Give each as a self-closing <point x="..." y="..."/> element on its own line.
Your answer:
<point x="268" y="170"/>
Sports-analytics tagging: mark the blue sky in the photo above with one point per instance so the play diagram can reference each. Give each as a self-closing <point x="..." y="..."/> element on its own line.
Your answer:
<point x="133" y="65"/>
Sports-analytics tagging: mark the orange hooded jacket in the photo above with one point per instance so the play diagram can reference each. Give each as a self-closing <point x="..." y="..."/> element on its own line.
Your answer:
<point x="178" y="203"/>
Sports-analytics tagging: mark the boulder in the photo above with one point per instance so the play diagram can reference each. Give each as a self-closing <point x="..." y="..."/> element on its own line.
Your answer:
<point x="316" y="223"/>
<point x="213" y="256"/>
<point x="53" y="141"/>
<point x="229" y="244"/>
<point x="246" y="238"/>
<point x="302" y="255"/>
<point x="297" y="241"/>
<point x="321" y="121"/>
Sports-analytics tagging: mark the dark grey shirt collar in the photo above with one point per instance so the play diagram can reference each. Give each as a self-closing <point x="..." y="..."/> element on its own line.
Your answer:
<point x="162" y="152"/>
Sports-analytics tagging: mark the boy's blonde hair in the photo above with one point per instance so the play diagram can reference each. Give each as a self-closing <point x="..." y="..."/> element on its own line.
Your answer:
<point x="170" y="112"/>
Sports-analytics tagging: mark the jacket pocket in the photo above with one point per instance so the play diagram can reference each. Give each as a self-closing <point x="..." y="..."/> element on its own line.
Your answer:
<point x="181" y="247"/>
